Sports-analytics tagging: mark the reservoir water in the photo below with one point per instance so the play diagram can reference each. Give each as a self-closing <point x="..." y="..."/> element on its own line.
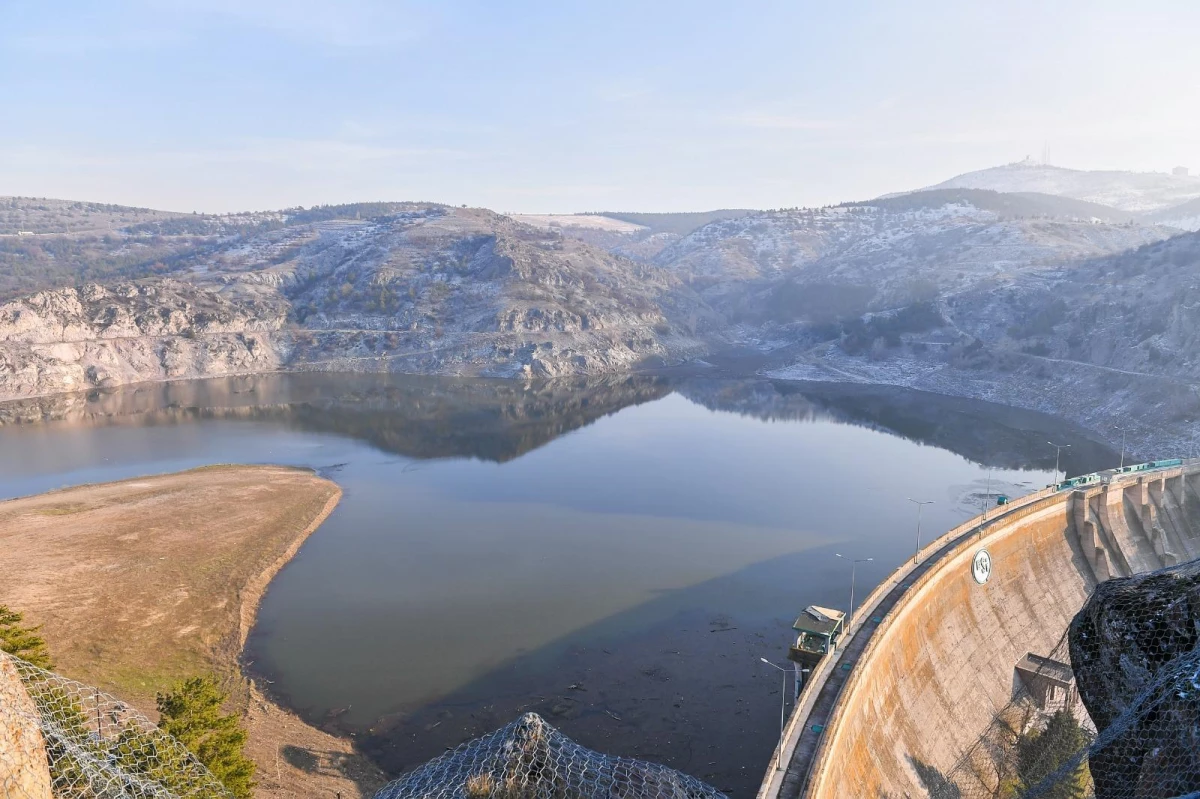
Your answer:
<point x="616" y="555"/>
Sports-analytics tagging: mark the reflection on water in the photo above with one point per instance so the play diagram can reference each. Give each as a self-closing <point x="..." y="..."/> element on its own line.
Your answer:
<point x="645" y="540"/>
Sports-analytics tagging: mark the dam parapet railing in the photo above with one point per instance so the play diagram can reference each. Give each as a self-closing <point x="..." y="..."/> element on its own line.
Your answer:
<point x="808" y="742"/>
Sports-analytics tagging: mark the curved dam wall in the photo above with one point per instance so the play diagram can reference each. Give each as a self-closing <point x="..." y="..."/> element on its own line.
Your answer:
<point x="942" y="662"/>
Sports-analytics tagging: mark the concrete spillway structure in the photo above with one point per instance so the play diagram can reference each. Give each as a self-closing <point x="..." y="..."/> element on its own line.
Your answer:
<point x="932" y="655"/>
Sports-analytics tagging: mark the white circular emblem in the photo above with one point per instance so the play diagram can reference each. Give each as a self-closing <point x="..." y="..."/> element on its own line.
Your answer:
<point x="981" y="566"/>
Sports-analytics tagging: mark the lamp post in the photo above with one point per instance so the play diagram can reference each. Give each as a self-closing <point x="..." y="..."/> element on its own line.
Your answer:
<point x="920" y="507"/>
<point x="1122" y="429"/>
<point x="987" y="497"/>
<point x="853" y="565"/>
<point x="782" y="712"/>
<point x="1058" y="448"/>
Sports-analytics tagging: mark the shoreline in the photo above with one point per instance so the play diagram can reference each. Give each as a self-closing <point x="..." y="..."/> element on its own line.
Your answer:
<point x="253" y="592"/>
<point x="1047" y="395"/>
<point x="263" y="708"/>
<point x="146" y="580"/>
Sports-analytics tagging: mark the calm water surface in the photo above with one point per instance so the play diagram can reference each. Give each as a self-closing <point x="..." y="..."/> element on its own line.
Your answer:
<point x="615" y="555"/>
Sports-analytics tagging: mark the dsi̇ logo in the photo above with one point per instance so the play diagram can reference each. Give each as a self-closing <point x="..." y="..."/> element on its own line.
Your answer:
<point x="981" y="566"/>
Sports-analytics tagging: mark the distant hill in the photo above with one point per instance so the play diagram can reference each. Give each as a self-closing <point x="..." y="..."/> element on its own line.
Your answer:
<point x="1185" y="216"/>
<point x="1005" y="205"/>
<point x="40" y="215"/>
<point x="902" y="247"/>
<point x="48" y="243"/>
<point x="1137" y="192"/>
<point x="680" y="224"/>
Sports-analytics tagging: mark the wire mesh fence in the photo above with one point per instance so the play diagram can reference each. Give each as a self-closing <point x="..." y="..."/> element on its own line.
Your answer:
<point x="1111" y="712"/>
<point x="529" y="759"/>
<point x="63" y="739"/>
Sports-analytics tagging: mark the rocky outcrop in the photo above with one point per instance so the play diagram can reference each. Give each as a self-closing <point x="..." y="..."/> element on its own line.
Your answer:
<point x="24" y="770"/>
<point x="97" y="336"/>
<point x="421" y="288"/>
<point x="1134" y="650"/>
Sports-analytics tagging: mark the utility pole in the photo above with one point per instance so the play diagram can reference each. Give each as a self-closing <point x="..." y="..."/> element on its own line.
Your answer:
<point x="920" y="507"/>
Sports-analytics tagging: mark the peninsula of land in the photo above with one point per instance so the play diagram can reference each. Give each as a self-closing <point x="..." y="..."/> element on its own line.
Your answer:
<point x="142" y="582"/>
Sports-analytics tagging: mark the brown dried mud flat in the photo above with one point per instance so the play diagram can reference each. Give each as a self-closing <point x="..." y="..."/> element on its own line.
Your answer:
<point x="141" y="582"/>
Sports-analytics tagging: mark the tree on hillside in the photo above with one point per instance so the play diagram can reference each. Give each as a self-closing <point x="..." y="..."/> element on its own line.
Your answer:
<point x="1042" y="753"/>
<point x="191" y="713"/>
<point x="24" y="642"/>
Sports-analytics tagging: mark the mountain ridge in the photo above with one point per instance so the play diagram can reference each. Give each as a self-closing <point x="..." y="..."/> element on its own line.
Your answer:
<point x="1137" y="192"/>
<point x="960" y="285"/>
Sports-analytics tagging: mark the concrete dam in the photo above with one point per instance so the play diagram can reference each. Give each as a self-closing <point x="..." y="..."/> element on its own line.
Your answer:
<point x="944" y="645"/>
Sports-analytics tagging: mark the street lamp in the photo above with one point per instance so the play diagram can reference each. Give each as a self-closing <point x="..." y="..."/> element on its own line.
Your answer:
<point x="1058" y="448"/>
<point x="782" y="711"/>
<point x="853" y="565"/>
<point x="920" y="507"/>
<point x="1122" y="429"/>
<point x="987" y="497"/>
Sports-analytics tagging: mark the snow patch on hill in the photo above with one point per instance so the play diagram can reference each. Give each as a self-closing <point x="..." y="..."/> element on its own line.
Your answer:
<point x="1139" y="192"/>
<point x="585" y="221"/>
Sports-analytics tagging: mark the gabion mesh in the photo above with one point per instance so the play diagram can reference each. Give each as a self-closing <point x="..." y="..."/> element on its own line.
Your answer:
<point x="65" y="739"/>
<point x="1128" y="727"/>
<point x="529" y="759"/>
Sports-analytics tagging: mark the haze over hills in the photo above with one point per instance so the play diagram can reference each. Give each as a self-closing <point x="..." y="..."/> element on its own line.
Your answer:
<point x="1137" y="192"/>
<point x="938" y="289"/>
<point x="634" y="235"/>
<point x="825" y="265"/>
<point x="1185" y="216"/>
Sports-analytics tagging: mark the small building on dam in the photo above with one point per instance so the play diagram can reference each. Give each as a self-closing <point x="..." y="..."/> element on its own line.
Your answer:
<point x="953" y="656"/>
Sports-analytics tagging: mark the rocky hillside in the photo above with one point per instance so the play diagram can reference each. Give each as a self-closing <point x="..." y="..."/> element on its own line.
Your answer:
<point x="420" y="288"/>
<point x="1040" y="301"/>
<point x="825" y="265"/>
<point x="633" y="235"/>
<point x="1185" y="216"/>
<point x="73" y="339"/>
<point x="1108" y="342"/>
<point x="1138" y="311"/>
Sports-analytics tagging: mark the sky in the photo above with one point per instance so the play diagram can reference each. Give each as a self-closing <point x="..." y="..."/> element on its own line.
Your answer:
<point x="227" y="105"/>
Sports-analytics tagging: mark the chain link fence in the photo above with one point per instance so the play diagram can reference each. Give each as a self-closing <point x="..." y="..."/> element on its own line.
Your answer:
<point x="529" y="759"/>
<point x="63" y="739"/>
<point x="1111" y="712"/>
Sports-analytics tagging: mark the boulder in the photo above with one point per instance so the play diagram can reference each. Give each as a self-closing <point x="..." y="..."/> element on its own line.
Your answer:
<point x="1137" y="666"/>
<point x="24" y="770"/>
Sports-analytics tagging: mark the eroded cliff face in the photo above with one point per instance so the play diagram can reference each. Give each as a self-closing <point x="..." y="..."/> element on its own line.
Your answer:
<point x="1134" y="650"/>
<point x="95" y="336"/>
<point x="425" y="290"/>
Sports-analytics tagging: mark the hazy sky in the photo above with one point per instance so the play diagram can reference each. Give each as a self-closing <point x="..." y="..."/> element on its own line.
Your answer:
<point x="219" y="105"/>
